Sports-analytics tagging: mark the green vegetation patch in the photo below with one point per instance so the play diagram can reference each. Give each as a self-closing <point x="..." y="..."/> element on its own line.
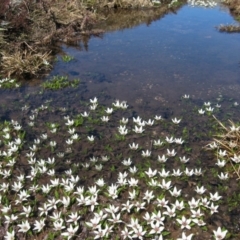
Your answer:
<point x="60" y="82"/>
<point x="7" y="83"/>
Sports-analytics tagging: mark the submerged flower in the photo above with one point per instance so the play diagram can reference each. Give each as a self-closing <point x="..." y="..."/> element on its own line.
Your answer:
<point x="105" y="118"/>
<point x="109" y="110"/>
<point x="138" y="129"/>
<point x="201" y="111"/>
<point x="176" y="121"/>
<point x="93" y="101"/>
<point x="91" y="138"/>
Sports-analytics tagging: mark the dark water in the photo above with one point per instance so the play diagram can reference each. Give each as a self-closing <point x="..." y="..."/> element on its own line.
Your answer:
<point x="181" y="53"/>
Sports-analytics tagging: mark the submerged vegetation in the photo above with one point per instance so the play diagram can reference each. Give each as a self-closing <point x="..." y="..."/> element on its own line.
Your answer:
<point x="60" y="82"/>
<point x="65" y="174"/>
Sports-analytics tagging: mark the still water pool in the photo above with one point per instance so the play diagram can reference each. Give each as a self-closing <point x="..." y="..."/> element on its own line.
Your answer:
<point x="151" y="64"/>
<point x="130" y="172"/>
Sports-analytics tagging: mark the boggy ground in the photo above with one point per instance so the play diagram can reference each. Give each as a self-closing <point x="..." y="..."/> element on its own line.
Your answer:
<point x="234" y="6"/>
<point x="31" y="30"/>
<point x="74" y="168"/>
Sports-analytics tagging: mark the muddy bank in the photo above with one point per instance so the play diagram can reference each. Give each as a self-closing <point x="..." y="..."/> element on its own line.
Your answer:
<point x="30" y="31"/>
<point x="234" y="7"/>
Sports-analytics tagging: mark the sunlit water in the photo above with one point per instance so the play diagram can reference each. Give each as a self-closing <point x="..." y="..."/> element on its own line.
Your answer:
<point x="155" y="64"/>
<point x="151" y="67"/>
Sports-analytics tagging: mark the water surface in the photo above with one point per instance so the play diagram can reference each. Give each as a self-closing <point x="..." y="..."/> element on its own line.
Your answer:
<point x="180" y="53"/>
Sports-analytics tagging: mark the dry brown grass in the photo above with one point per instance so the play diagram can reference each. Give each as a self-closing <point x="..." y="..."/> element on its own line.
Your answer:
<point x="24" y="62"/>
<point x="42" y="24"/>
<point x="229" y="28"/>
<point x="229" y="140"/>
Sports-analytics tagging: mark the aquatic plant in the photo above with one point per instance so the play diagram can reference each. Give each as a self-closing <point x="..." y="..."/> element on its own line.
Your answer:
<point x="60" y="82"/>
<point x="76" y="182"/>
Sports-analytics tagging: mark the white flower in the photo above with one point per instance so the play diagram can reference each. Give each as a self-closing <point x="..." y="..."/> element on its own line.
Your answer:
<point x="185" y="96"/>
<point x="213" y="145"/>
<point x="162" y="158"/>
<point x="71" y="231"/>
<point x="58" y="225"/>
<point x="236" y="158"/>
<point x="123" y="105"/>
<point x="158" y="118"/>
<point x="171" y="153"/>
<point x="133" y="169"/>
<point x="85" y="114"/>
<point x="147" y="153"/>
<point x="148" y="196"/>
<point x="185" y="237"/>
<point x="24" y="226"/>
<point x="122" y="130"/>
<point x="176" y="121"/>
<point x="207" y="104"/>
<point x="157" y="142"/>
<point x="209" y="109"/>
<point x="124" y="120"/>
<point x="117" y="104"/>
<point x="183" y="159"/>
<point x="201" y="111"/>
<point x="179" y="141"/>
<point x="221" y="163"/>
<point x="235" y="104"/>
<point x="73" y="217"/>
<point x="105" y="118"/>
<point x="215" y="196"/>
<point x="223" y="176"/>
<point x="71" y="130"/>
<point x="163" y="173"/>
<point x="93" y="107"/>
<point x="175" y="192"/>
<point x="127" y="162"/>
<point x="222" y="153"/>
<point x="149" y="122"/>
<point x="109" y="110"/>
<point x="200" y="190"/>
<point x="69" y="122"/>
<point x="91" y="138"/>
<point x="133" y="182"/>
<point x="169" y="140"/>
<point x="100" y="182"/>
<point x="93" y="101"/>
<point x="220" y="234"/>
<point x="165" y="185"/>
<point x="176" y="173"/>
<point x="151" y="173"/>
<point x="138" y="129"/>
<point x="134" y="146"/>
<point x="39" y="225"/>
<point x="10" y="235"/>
<point x="213" y="208"/>
<point x="185" y="223"/>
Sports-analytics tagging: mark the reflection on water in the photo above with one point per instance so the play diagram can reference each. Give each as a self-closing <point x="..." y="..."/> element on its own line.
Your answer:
<point x="151" y="65"/>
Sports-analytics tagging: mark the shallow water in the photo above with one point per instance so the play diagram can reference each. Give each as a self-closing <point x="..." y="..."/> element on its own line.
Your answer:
<point x="151" y="67"/>
<point x="147" y="65"/>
